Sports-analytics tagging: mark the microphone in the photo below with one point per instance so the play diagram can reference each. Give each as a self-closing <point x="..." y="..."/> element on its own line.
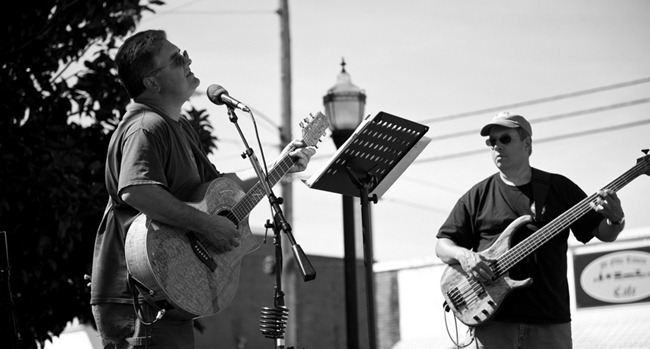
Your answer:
<point x="218" y="95"/>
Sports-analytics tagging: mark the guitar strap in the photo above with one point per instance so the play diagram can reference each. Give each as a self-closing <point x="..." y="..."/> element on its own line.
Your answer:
<point x="205" y="163"/>
<point x="205" y="167"/>
<point x="541" y="183"/>
<point x="139" y="288"/>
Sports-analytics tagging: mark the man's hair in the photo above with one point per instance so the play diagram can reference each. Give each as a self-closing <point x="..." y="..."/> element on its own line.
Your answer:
<point x="134" y="59"/>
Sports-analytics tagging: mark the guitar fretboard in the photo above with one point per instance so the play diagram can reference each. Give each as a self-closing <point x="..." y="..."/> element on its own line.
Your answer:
<point x="310" y="137"/>
<point x="244" y="207"/>
<point x="544" y="234"/>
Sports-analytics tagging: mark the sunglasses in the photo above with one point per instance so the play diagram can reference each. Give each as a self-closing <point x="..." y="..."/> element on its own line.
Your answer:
<point x="177" y="61"/>
<point x="491" y="142"/>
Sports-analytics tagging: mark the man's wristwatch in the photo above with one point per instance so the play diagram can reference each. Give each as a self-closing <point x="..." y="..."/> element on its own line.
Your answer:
<point x="619" y="222"/>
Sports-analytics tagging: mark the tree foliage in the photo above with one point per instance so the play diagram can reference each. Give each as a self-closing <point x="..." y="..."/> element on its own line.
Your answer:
<point x="199" y="121"/>
<point x="61" y="99"/>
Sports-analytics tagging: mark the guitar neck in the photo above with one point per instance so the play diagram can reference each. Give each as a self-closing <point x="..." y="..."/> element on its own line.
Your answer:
<point x="563" y="221"/>
<point x="256" y="193"/>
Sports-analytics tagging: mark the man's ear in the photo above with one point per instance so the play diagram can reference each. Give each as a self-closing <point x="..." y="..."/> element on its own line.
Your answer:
<point x="529" y="145"/>
<point x="151" y="83"/>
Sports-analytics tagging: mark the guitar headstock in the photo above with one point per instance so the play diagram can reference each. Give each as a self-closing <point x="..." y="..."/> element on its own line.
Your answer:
<point x="645" y="160"/>
<point x="314" y="129"/>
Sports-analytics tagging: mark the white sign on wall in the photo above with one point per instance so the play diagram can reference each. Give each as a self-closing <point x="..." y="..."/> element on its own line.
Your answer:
<point x="612" y="277"/>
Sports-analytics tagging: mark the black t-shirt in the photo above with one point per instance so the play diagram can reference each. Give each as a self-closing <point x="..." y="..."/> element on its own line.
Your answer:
<point x="489" y="207"/>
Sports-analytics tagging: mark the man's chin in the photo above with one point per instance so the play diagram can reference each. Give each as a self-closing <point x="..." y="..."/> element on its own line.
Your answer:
<point x="194" y="86"/>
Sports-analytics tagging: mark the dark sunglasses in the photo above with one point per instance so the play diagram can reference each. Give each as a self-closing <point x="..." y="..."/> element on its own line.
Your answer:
<point x="491" y="142"/>
<point x="177" y="61"/>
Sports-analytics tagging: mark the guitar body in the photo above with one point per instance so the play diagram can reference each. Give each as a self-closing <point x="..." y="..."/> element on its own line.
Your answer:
<point x="163" y="258"/>
<point x="474" y="302"/>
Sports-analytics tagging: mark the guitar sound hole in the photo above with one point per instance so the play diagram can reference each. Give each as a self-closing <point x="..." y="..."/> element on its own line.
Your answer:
<point x="230" y="216"/>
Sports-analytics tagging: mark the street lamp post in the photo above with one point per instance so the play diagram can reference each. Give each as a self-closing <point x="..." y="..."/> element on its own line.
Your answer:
<point x="344" y="106"/>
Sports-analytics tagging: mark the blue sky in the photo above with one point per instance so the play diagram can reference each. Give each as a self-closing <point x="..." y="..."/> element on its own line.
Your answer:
<point x="447" y="64"/>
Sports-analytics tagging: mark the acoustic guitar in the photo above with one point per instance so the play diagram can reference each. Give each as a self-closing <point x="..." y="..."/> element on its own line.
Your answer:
<point x="474" y="302"/>
<point x="180" y="271"/>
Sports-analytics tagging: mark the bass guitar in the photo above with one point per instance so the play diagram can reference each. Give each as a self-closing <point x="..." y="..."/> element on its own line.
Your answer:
<point x="474" y="302"/>
<point x="179" y="270"/>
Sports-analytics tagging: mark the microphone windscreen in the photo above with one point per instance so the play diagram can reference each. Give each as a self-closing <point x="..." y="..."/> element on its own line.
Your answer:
<point x="214" y="93"/>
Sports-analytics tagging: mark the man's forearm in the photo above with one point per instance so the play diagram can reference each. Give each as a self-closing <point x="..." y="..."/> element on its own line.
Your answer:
<point x="158" y="204"/>
<point x="448" y="251"/>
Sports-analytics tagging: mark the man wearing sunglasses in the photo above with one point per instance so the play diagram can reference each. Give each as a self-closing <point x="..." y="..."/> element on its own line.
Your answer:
<point x="537" y="316"/>
<point x="155" y="162"/>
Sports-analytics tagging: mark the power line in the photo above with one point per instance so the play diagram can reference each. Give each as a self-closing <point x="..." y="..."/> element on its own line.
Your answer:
<point x="538" y="101"/>
<point x="433" y="184"/>
<point x="538" y="120"/>
<point x="543" y="140"/>
<point x="415" y="205"/>
<point x="221" y="12"/>
<point x="555" y="117"/>
<point x="173" y="10"/>
<point x="177" y="11"/>
<point x="270" y="123"/>
<point x="594" y="131"/>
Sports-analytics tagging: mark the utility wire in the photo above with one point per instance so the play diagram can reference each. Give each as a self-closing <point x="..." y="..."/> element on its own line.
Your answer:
<point x="415" y="205"/>
<point x="177" y="11"/>
<point x="222" y="12"/>
<point x="156" y="15"/>
<point x="538" y="101"/>
<point x="538" y="120"/>
<point x="537" y="141"/>
<point x="270" y="123"/>
<point x="554" y="117"/>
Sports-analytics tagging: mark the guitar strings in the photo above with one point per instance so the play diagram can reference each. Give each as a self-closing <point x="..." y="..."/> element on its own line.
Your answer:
<point x="521" y="250"/>
<point x="469" y="291"/>
<point x="244" y="207"/>
<point x="310" y="136"/>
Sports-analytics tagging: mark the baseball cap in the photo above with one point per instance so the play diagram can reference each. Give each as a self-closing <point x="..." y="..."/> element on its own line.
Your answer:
<point x="509" y="120"/>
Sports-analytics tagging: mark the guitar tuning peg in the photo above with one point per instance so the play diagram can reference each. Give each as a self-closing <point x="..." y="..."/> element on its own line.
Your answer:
<point x="301" y="124"/>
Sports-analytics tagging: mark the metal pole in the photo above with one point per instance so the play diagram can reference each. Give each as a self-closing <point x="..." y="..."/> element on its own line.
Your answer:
<point x="350" y="266"/>
<point x="286" y="184"/>
<point x="350" y="256"/>
<point x="369" y="261"/>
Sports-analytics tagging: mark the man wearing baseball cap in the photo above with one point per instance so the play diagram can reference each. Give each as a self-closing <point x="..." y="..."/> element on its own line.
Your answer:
<point x="508" y="120"/>
<point x="537" y="316"/>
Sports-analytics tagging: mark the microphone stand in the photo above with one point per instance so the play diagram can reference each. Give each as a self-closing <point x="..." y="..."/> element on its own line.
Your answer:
<point x="273" y="321"/>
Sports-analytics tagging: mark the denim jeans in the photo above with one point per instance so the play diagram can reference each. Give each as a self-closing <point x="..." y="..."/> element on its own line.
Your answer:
<point x="120" y="328"/>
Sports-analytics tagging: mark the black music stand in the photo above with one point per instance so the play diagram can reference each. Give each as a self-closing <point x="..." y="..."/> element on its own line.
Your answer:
<point x="368" y="163"/>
